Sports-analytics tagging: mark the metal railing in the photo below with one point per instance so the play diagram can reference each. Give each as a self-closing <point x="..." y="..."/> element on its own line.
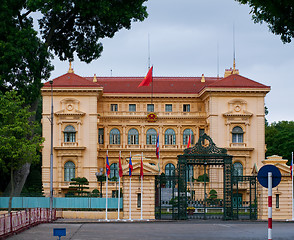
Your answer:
<point x="14" y="222"/>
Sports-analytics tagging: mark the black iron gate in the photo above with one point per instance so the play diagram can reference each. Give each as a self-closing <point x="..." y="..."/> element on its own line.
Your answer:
<point x="244" y="197"/>
<point x="228" y="197"/>
<point x="166" y="197"/>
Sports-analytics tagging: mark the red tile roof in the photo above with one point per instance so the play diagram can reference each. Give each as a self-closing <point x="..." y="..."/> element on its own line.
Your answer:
<point x="71" y="80"/>
<point x="167" y="85"/>
<point x="237" y="81"/>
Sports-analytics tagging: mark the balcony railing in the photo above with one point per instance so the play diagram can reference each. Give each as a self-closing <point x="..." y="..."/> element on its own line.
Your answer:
<point x="69" y="144"/>
<point x="237" y="144"/>
<point x="160" y="114"/>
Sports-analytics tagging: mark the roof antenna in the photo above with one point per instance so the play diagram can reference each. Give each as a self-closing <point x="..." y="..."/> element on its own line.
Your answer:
<point x="148" y="51"/>
<point x="217" y="59"/>
<point x="234" y="50"/>
<point x="110" y="72"/>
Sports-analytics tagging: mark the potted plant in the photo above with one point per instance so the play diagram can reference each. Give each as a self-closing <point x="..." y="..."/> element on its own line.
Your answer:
<point x="190" y="210"/>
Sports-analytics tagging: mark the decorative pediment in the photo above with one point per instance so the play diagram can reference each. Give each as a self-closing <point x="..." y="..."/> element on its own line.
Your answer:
<point x="205" y="145"/>
<point x="73" y="112"/>
<point x="279" y="162"/>
<point x="244" y="113"/>
<point x="147" y="167"/>
<point x="69" y="109"/>
<point x="237" y="107"/>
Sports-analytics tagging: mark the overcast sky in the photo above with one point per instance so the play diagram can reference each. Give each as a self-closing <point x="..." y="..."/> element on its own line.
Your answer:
<point x="184" y="35"/>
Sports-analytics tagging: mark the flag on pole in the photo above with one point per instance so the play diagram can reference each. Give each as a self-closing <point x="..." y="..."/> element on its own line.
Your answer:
<point x="157" y="147"/>
<point x="141" y="169"/>
<point x="120" y="171"/>
<point x="130" y="165"/>
<point x="291" y="166"/>
<point x="107" y="165"/>
<point x="148" y="79"/>
<point x="189" y="141"/>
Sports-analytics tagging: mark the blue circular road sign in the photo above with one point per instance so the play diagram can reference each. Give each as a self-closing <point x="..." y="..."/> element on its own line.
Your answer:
<point x="263" y="175"/>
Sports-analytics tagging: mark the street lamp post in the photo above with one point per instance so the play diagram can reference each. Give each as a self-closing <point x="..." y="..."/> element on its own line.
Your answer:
<point x="99" y="176"/>
<point x="51" y="152"/>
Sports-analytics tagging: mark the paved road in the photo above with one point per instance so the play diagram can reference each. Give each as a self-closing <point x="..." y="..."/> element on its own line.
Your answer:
<point x="160" y="230"/>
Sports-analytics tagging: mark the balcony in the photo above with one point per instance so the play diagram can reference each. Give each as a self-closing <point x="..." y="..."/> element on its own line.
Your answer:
<point x="159" y="114"/>
<point x="170" y="146"/>
<point x="70" y="144"/>
<point x="237" y="145"/>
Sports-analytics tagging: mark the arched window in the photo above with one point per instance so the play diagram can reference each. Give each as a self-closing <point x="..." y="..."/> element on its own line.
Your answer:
<point x="237" y="135"/>
<point x="169" y="171"/>
<point x="113" y="171"/>
<point x="189" y="173"/>
<point x="237" y="169"/>
<point x="133" y="136"/>
<point x="69" y="171"/>
<point x="170" y="137"/>
<point x="186" y="135"/>
<point x="114" y="136"/>
<point x="151" y="136"/>
<point x="69" y="134"/>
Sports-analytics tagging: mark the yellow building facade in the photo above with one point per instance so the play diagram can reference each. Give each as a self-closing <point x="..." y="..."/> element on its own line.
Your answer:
<point x="93" y="115"/>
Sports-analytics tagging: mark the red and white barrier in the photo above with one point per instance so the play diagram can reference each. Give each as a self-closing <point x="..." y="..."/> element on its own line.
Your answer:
<point x="270" y="204"/>
<point x="21" y="220"/>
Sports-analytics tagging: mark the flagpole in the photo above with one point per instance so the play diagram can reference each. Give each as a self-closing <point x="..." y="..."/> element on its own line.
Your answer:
<point x="118" y="208"/>
<point x="130" y="198"/>
<point x="158" y="154"/>
<point x="152" y="86"/>
<point x="106" y="188"/>
<point x="106" y="195"/>
<point x="118" y="197"/>
<point x="142" y="191"/>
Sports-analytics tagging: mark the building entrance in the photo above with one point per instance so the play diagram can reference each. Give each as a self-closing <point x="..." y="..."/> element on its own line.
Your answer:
<point x="203" y="187"/>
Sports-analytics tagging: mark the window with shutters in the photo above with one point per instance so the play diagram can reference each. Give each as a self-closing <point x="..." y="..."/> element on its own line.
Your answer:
<point x="151" y="136"/>
<point x="114" y="136"/>
<point x="133" y="136"/>
<point x="170" y="137"/>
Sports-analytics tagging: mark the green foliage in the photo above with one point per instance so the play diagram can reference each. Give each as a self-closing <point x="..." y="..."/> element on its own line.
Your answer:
<point x="78" y="186"/>
<point x="95" y="193"/>
<point x="279" y="139"/>
<point x="24" y="59"/>
<point x="212" y="194"/>
<point x="78" y="25"/>
<point x="114" y="179"/>
<point x="18" y="143"/>
<point x="279" y="15"/>
<point x="33" y="186"/>
<point x="203" y="178"/>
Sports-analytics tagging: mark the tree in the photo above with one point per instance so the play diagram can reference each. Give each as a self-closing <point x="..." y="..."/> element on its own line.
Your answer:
<point x="18" y="143"/>
<point x="279" y="139"/>
<point x="78" y="186"/>
<point x="279" y="15"/>
<point x="65" y="28"/>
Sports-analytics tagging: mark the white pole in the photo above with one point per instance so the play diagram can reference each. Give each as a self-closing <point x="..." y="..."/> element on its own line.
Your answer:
<point x="130" y="200"/>
<point x="142" y="194"/>
<point x="292" y="188"/>
<point x="270" y="220"/>
<point x="118" y="197"/>
<point x="118" y="208"/>
<point x="106" y="195"/>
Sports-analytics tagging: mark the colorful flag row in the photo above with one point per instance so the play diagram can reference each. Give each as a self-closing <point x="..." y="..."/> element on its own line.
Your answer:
<point x="120" y="171"/>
